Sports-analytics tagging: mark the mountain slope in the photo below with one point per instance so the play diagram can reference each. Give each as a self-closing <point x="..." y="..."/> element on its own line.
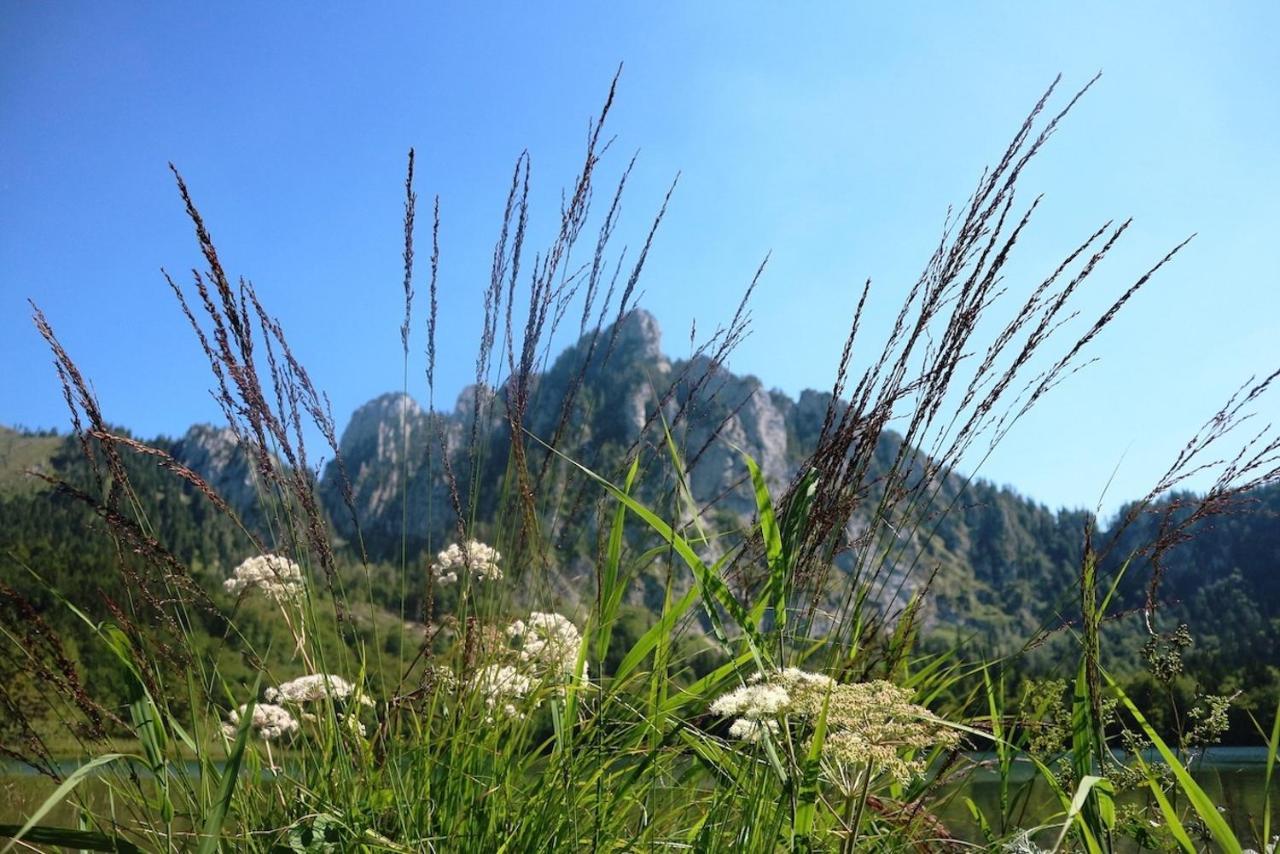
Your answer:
<point x="1002" y="567"/>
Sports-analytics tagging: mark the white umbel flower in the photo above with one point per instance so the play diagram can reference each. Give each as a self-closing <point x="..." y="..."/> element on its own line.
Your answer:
<point x="549" y="642"/>
<point x="482" y="560"/>
<point x="269" y="721"/>
<point x="1024" y="844"/>
<point x="794" y="677"/>
<point x="870" y="725"/>
<point x="502" y="687"/>
<point x="754" y="702"/>
<point x="317" y="686"/>
<point x="277" y="576"/>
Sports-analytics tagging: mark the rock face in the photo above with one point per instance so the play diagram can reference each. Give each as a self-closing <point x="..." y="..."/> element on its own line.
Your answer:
<point x="382" y="436"/>
<point x="596" y="401"/>
<point x="215" y="454"/>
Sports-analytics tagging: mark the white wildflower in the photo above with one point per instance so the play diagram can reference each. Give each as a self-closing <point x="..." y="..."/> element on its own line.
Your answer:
<point x="441" y="678"/>
<point x="752" y="731"/>
<point x="318" y="686"/>
<point x="279" y="577"/>
<point x="352" y="723"/>
<point x="502" y="686"/>
<point x="269" y="721"/>
<point x="480" y="559"/>
<point x="549" y="642"/>
<point x="871" y="725"/>
<point x="794" y="677"/>
<point x="753" y="702"/>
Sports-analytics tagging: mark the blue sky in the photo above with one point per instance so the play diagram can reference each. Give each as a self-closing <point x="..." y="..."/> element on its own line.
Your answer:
<point x="832" y="135"/>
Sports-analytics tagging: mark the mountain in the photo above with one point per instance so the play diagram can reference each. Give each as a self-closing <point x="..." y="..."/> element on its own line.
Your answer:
<point x="1003" y="567"/>
<point x="998" y="554"/>
<point x="1006" y="565"/>
<point x="618" y="379"/>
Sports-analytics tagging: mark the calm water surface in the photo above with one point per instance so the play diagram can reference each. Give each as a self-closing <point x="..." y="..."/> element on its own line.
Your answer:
<point x="1233" y="777"/>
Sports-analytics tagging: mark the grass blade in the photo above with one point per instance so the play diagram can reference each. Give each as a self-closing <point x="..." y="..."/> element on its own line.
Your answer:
<point x="63" y="837"/>
<point x="60" y="793"/>
<point x="230" y="774"/>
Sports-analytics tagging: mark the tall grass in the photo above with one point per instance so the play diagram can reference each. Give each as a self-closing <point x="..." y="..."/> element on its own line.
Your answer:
<point x="497" y="724"/>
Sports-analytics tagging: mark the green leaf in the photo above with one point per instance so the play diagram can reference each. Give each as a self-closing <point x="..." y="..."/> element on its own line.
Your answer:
<point x="795" y="518"/>
<point x="714" y="590"/>
<point x="698" y="690"/>
<point x="984" y="827"/>
<point x="63" y="837"/>
<point x="1171" y="820"/>
<point x="1088" y="784"/>
<point x="650" y="638"/>
<point x="1273" y="745"/>
<point x="610" y="589"/>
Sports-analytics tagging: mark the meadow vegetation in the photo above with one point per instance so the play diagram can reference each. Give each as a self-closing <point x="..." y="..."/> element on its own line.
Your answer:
<point x="251" y="681"/>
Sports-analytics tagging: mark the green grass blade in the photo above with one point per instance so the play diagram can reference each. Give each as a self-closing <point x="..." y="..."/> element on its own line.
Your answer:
<point x="698" y="690"/>
<point x="1171" y="820"/>
<point x="807" y="807"/>
<point x="980" y="819"/>
<point x="1087" y="749"/>
<point x="776" y="590"/>
<point x="714" y="590"/>
<point x="610" y="589"/>
<point x="62" y="837"/>
<point x="230" y="774"/>
<point x="1273" y="745"/>
<point x="650" y="638"/>
<point x="60" y="793"/>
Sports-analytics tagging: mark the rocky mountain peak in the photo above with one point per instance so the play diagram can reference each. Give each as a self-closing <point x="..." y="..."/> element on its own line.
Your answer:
<point x="375" y="426"/>
<point x="638" y="336"/>
<point x="384" y="406"/>
<point x="216" y="455"/>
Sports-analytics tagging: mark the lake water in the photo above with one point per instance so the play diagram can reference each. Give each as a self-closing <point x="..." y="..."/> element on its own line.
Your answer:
<point x="1233" y="777"/>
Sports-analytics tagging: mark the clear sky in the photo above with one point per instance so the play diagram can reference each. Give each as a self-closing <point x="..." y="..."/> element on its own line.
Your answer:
<point x="834" y="135"/>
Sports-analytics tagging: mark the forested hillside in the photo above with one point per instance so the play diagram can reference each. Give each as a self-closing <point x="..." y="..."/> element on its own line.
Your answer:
<point x="1001" y="569"/>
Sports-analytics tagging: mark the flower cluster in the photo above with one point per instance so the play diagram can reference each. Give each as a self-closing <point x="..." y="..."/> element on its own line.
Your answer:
<point x="545" y="653"/>
<point x="754" y="702"/>
<point x="269" y="721"/>
<point x="502" y="687"/>
<point x="869" y="724"/>
<point x="549" y="643"/>
<point x="482" y="560"/>
<point x="277" y="576"/>
<point x="317" y="686"/>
